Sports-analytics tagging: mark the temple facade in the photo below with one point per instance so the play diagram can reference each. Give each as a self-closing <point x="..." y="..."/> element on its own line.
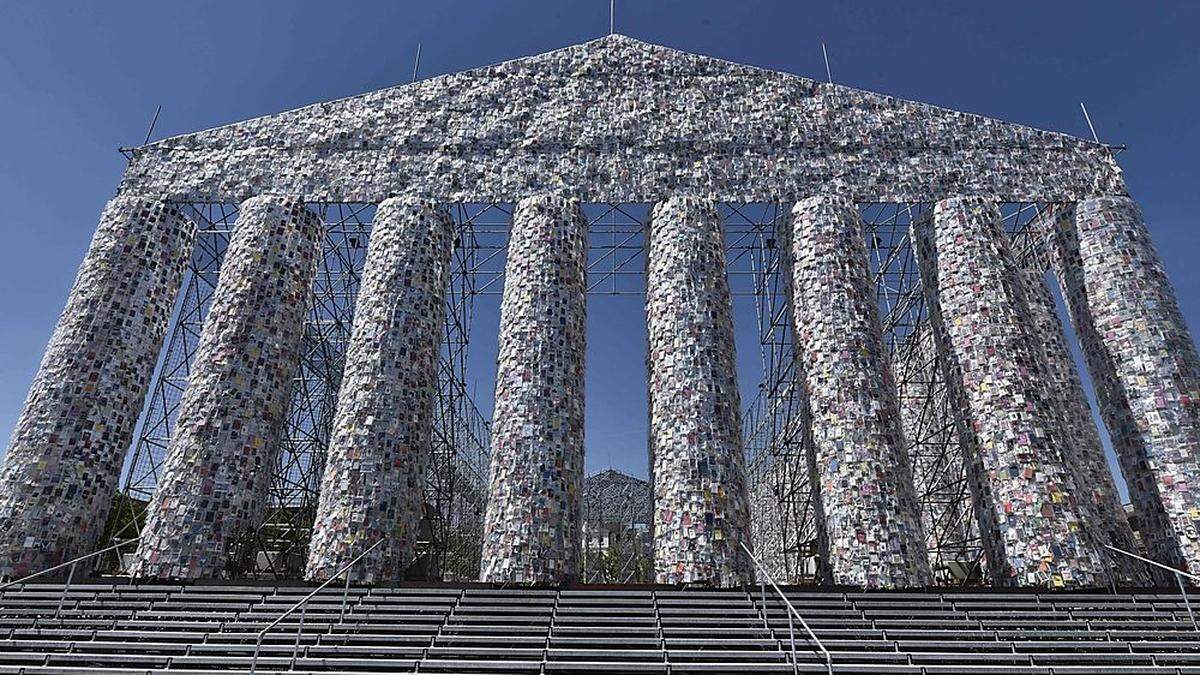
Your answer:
<point x="618" y="121"/>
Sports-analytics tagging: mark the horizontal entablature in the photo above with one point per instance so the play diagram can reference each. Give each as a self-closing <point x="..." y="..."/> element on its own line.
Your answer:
<point x="617" y="119"/>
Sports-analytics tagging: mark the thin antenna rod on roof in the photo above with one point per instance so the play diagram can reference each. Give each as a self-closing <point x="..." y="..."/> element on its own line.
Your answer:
<point x="612" y="13"/>
<point x="828" y="73"/>
<point x="1088" y="117"/>
<point x="417" y="65"/>
<point x="152" y="123"/>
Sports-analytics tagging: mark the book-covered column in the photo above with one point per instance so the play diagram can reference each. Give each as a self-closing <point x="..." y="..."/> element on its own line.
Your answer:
<point x="1143" y="363"/>
<point x="868" y="520"/>
<point x="1033" y="525"/>
<point x="64" y="458"/>
<point x="214" y="479"/>
<point x="1084" y="453"/>
<point x="532" y="527"/>
<point x="700" y="516"/>
<point x="374" y="482"/>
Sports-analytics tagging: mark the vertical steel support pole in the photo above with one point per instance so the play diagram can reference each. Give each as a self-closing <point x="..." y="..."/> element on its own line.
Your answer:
<point x="1186" y="602"/>
<point x="299" y="632"/>
<point x="66" y="588"/>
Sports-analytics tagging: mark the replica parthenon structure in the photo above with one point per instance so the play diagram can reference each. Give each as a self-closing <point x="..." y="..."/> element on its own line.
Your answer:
<point x="929" y="327"/>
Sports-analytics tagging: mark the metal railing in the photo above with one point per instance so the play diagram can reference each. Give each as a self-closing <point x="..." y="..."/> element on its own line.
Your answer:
<point x="303" y="607"/>
<point x="1179" y="576"/>
<point x="791" y="613"/>
<point x="70" y="575"/>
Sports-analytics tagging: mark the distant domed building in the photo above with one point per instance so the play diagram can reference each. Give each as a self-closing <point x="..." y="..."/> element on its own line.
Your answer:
<point x="616" y="528"/>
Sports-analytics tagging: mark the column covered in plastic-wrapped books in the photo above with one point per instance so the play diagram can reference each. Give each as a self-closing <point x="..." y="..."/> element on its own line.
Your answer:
<point x="1083" y="450"/>
<point x="532" y="529"/>
<point x="218" y="465"/>
<point x="1034" y="527"/>
<point x="701" y="514"/>
<point x="373" y="487"/>
<point x="868" y="520"/>
<point x="1144" y="365"/>
<point x="64" y="459"/>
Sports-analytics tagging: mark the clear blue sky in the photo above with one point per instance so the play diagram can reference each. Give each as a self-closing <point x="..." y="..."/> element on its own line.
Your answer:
<point x="78" y="79"/>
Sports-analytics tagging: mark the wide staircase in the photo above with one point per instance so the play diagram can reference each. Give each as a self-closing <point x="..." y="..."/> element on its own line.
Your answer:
<point x="141" y="628"/>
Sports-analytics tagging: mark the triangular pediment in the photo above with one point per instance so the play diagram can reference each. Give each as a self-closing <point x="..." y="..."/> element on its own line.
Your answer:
<point x="619" y="119"/>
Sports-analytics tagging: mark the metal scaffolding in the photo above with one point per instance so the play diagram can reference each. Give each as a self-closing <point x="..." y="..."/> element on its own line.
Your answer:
<point x="777" y="457"/>
<point x="777" y="469"/>
<point x="455" y="490"/>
